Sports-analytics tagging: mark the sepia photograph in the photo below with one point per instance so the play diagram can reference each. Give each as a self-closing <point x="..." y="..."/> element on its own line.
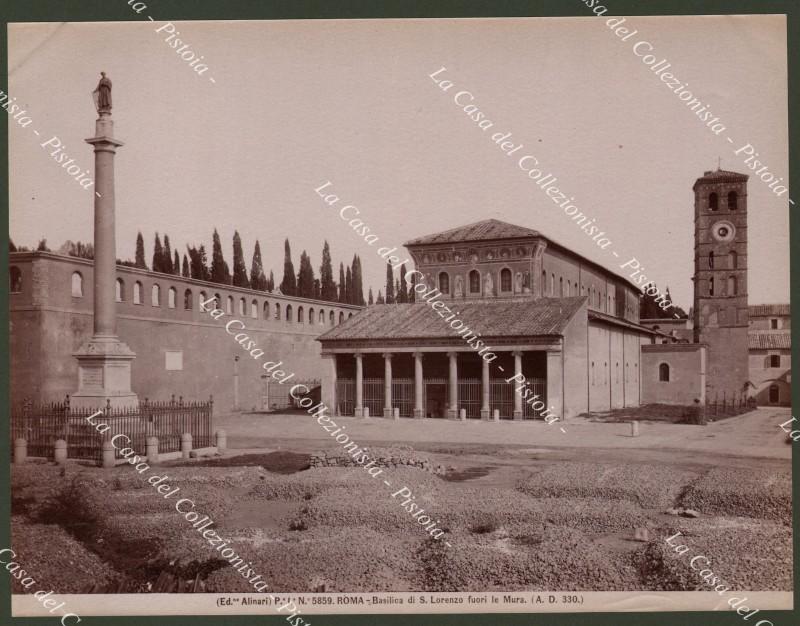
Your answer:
<point x="405" y="315"/>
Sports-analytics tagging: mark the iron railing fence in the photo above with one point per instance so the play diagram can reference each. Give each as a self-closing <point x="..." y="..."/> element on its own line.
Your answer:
<point x="277" y="396"/>
<point x="44" y="423"/>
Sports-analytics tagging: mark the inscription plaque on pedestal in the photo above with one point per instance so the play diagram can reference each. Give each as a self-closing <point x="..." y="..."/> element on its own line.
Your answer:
<point x="91" y="377"/>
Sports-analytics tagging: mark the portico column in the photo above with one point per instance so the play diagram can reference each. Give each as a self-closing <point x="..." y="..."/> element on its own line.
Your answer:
<point x="387" y="384"/>
<point x="419" y="410"/>
<point x="518" y="375"/>
<point x="485" y="389"/>
<point x="453" y="410"/>
<point x="359" y="410"/>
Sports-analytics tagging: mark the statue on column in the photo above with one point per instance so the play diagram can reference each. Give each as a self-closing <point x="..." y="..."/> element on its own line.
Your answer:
<point x="459" y="287"/>
<point x="102" y="95"/>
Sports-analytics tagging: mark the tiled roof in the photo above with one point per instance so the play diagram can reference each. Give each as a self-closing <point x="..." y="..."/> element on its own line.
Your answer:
<point x="719" y="176"/>
<point x="546" y="316"/>
<point x="479" y="231"/>
<point x="769" y="341"/>
<point x="618" y="321"/>
<point x="763" y="310"/>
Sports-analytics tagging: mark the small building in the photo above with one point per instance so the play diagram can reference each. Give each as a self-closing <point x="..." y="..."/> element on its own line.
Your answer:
<point x="770" y="348"/>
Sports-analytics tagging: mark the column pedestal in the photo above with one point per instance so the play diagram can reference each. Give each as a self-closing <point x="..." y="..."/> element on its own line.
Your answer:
<point x="104" y="375"/>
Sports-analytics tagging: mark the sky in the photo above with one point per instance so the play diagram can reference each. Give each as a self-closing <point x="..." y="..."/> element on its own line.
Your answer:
<point x="294" y="104"/>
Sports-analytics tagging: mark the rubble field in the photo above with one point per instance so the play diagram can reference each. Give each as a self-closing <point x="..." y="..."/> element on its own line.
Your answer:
<point x="565" y="526"/>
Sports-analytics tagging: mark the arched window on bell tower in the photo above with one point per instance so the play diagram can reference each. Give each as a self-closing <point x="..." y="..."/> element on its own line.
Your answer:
<point x="733" y="260"/>
<point x="711" y="259"/>
<point x="732" y="285"/>
<point x="711" y="286"/>
<point x="713" y="202"/>
<point x="733" y="201"/>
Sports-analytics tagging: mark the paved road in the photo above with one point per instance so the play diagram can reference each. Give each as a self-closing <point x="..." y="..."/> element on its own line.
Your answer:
<point x="756" y="434"/>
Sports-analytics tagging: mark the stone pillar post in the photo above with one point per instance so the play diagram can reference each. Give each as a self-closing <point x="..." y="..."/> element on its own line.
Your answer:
<point x="20" y="451"/>
<point x="517" y="396"/>
<point x="104" y="362"/>
<point x="186" y="445"/>
<point x="387" y="384"/>
<point x="452" y="412"/>
<point x="485" y="389"/>
<point x="359" y="409"/>
<point x="419" y="404"/>
<point x="221" y="440"/>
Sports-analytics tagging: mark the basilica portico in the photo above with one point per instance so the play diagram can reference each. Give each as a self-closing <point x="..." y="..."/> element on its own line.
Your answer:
<point x="421" y="368"/>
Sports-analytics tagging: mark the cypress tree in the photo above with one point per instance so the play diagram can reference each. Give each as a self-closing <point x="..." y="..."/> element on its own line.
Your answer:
<point x="176" y="263"/>
<point x="380" y="299"/>
<point x="11" y="246"/>
<point x="305" y="277"/>
<point x="402" y="294"/>
<point x="342" y="293"/>
<point x="158" y="255"/>
<point x="257" y="278"/>
<point x="194" y="263"/>
<point x="219" y="268"/>
<point x="185" y="269"/>
<point x="327" y="285"/>
<point x="140" y="262"/>
<point x="317" y="289"/>
<point x="239" y="269"/>
<point x="357" y="286"/>
<point x="203" y="263"/>
<point x="348" y="286"/>
<point x="412" y="293"/>
<point x="289" y="282"/>
<point x="166" y="263"/>
<point x="389" y="284"/>
<point x="370" y="301"/>
<point x="271" y="282"/>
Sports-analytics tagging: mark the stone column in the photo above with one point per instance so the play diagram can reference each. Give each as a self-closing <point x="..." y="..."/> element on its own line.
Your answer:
<point x="485" y="389"/>
<point x="452" y="412"/>
<point x="104" y="362"/>
<point x="359" y="410"/>
<point x="419" y="404"/>
<point x="387" y="384"/>
<point x="517" y="396"/>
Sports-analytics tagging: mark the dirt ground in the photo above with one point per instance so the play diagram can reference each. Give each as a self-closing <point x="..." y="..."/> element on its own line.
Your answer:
<point x="516" y="515"/>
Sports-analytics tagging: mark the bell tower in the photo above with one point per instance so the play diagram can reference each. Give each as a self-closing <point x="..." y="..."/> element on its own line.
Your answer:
<point x="720" y="281"/>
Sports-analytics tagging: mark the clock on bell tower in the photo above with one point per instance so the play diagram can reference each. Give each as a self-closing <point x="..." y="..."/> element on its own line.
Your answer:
<point x="720" y="281"/>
